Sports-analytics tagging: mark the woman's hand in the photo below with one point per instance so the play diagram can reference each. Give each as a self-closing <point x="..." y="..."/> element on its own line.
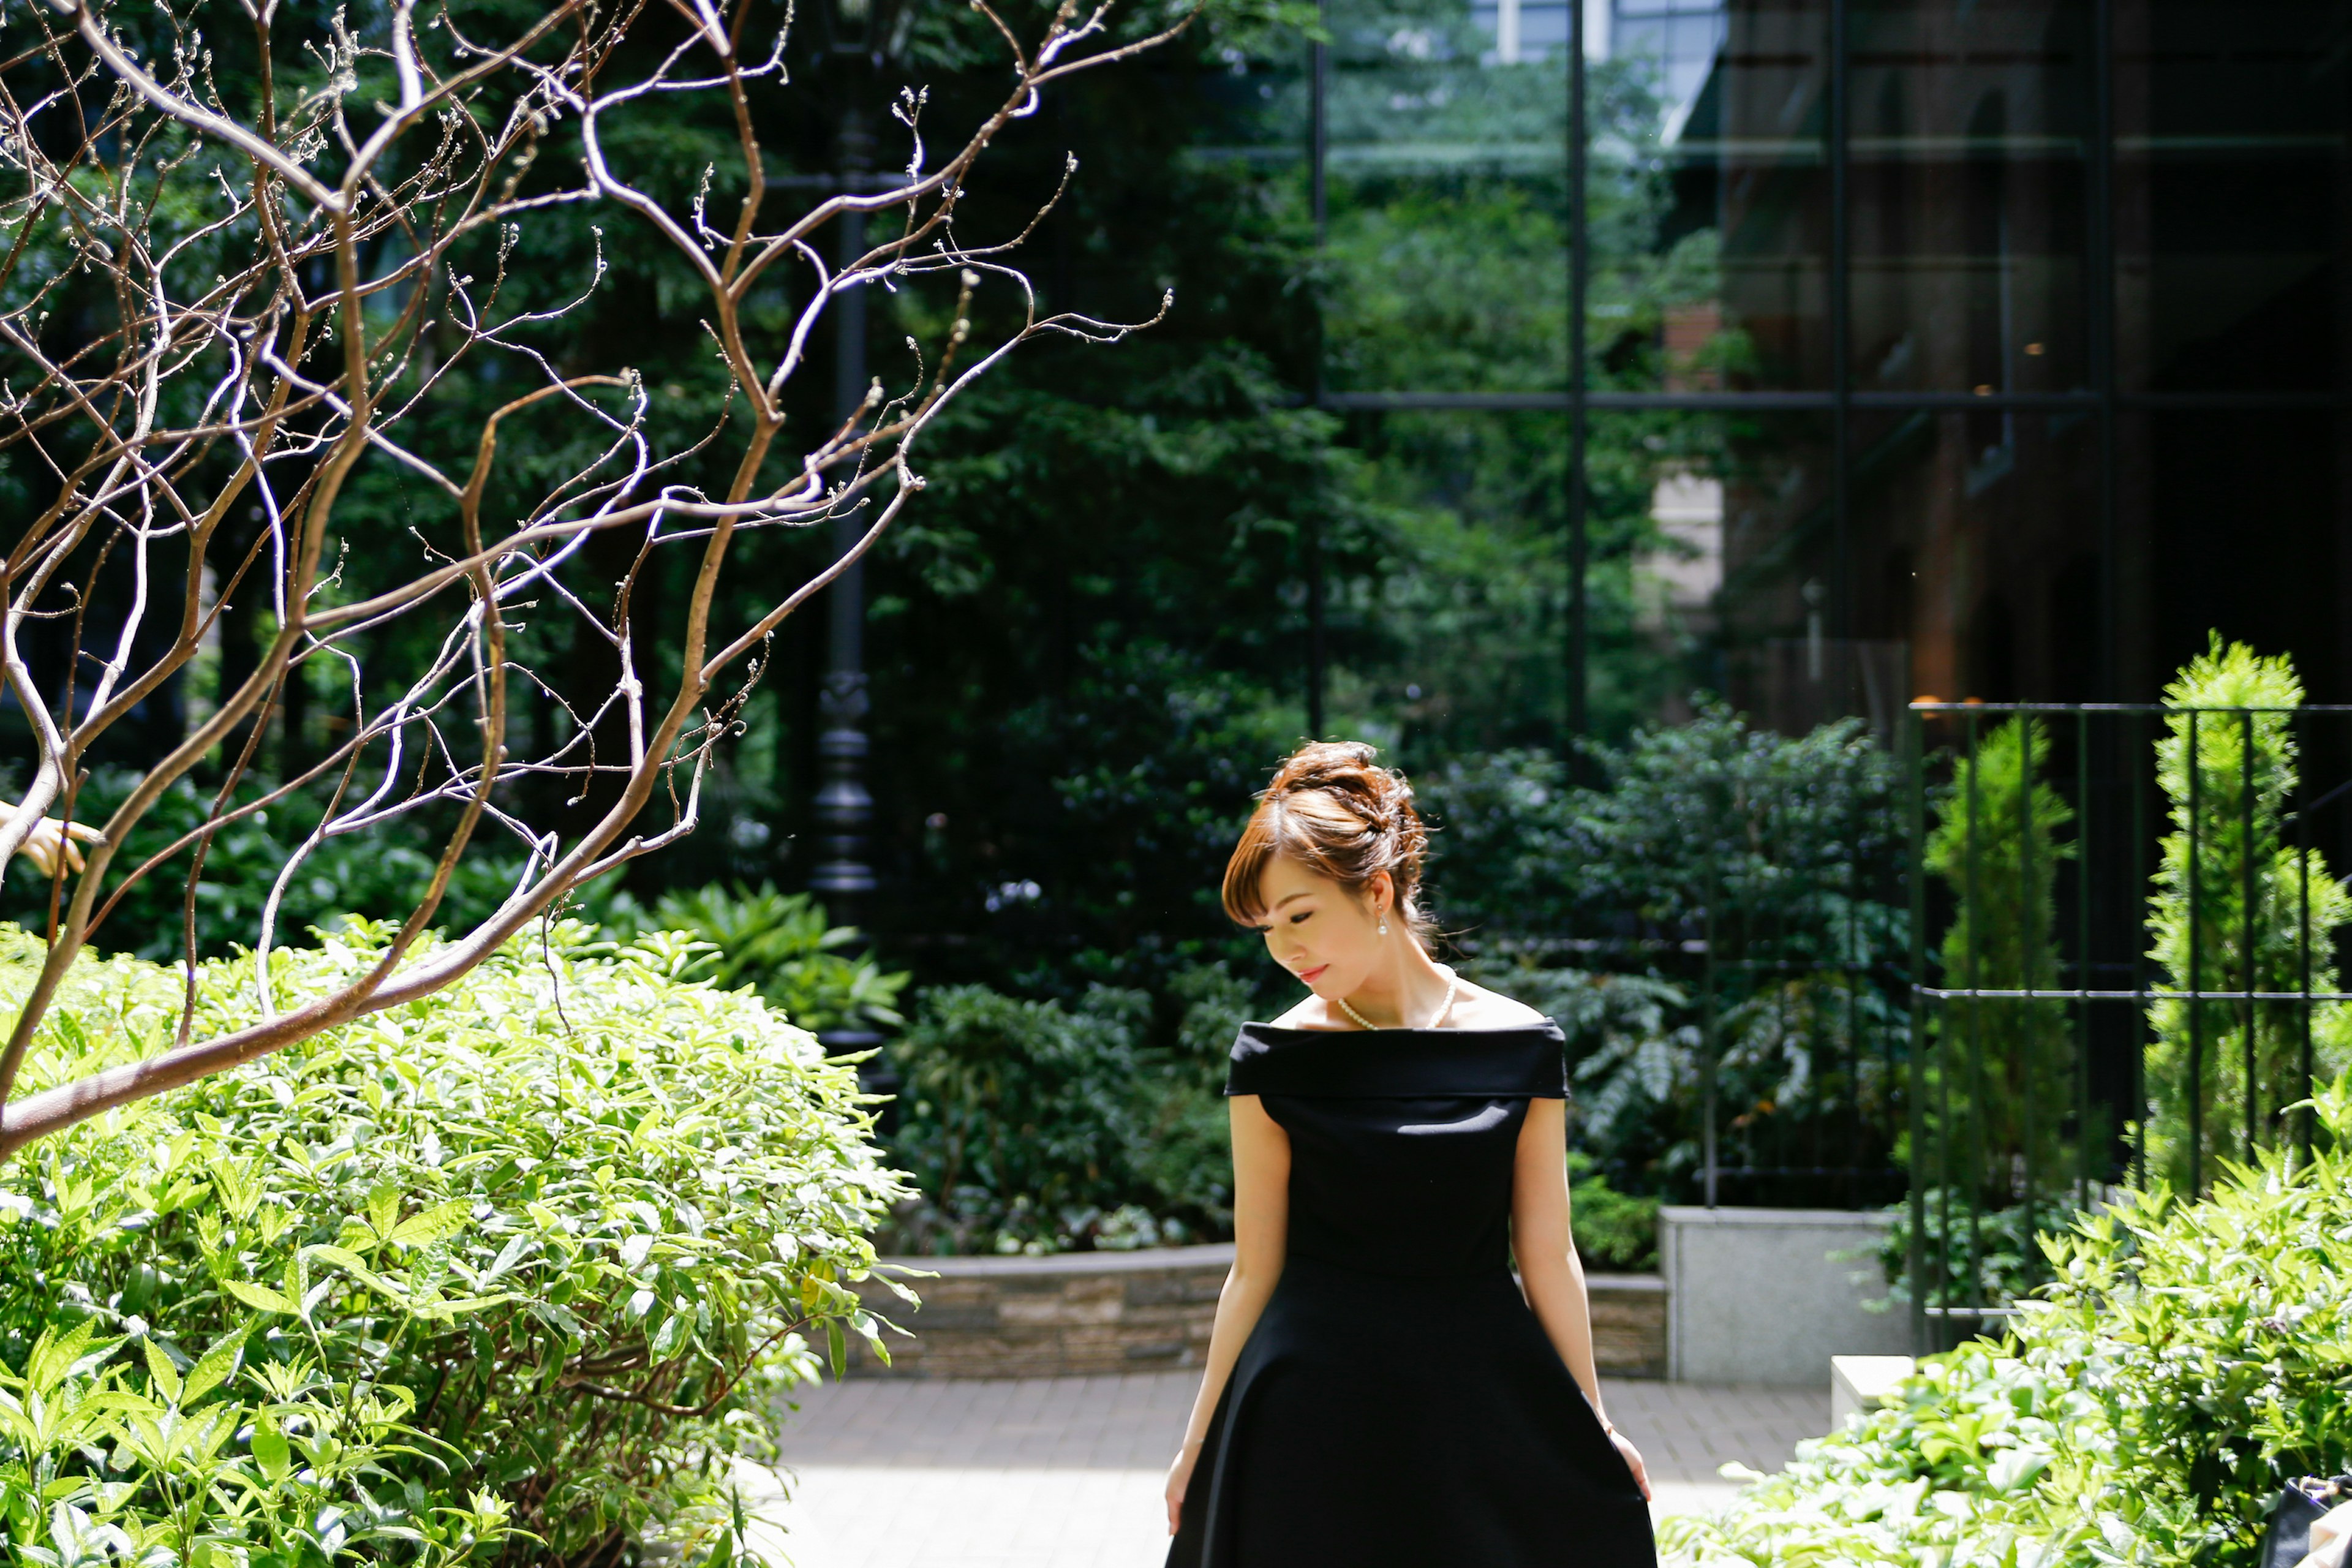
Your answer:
<point x="1180" y="1475"/>
<point x="1632" y="1457"/>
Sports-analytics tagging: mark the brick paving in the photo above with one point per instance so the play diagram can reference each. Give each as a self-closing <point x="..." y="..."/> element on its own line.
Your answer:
<point x="1066" y="1472"/>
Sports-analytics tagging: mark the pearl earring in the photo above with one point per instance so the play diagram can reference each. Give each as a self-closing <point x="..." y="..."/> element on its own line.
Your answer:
<point x="1384" y="925"/>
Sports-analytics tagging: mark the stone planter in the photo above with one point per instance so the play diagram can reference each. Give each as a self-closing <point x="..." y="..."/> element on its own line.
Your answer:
<point x="1757" y="1297"/>
<point x="1087" y="1313"/>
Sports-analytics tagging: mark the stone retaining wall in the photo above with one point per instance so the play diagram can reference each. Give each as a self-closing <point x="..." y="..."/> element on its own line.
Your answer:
<point x="1089" y="1313"/>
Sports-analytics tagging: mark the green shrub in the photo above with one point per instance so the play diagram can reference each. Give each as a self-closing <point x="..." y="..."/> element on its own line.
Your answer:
<point x="2185" y="1361"/>
<point x="1613" y="1230"/>
<point x="2004" y="1242"/>
<point x="1039" y="1127"/>
<point x="509" y="1272"/>
<point x="2006" y="1065"/>
<point x="1634" y="1064"/>
<point x="780" y="945"/>
<point x="381" y="873"/>
<point x="2238" y="840"/>
<point x="1506" y="857"/>
<point x="1713" y="873"/>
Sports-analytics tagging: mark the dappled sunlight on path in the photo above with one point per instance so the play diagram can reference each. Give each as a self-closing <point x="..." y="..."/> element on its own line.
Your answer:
<point x="1066" y="1472"/>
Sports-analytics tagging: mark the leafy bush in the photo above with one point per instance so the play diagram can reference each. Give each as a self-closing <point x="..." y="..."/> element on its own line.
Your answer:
<point x="2004" y="1244"/>
<point x="781" y="946"/>
<point x="1035" y="1126"/>
<point x="512" y="1271"/>
<point x="2186" y="1359"/>
<point x="1634" y="1064"/>
<point x="1712" y="875"/>
<point x="1506" y="857"/>
<point x="1785" y="845"/>
<point x="375" y="873"/>
<point x="1612" y="1229"/>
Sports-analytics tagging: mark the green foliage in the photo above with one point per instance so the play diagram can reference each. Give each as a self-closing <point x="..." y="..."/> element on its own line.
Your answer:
<point x="1507" y="856"/>
<point x="2229" y="796"/>
<point x="781" y="946"/>
<point x="1783" y="844"/>
<point x="1979" y="1255"/>
<point x="1035" y="1126"/>
<point x="363" y="874"/>
<point x="1774" y="842"/>
<point x="1613" y="1230"/>
<point x="2186" y="1359"/>
<point x="513" y="1270"/>
<point x="2004" y="1065"/>
<point x="1707" y="860"/>
<point x="1632" y="1062"/>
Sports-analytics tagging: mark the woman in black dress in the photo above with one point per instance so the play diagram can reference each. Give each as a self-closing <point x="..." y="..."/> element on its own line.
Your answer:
<point x="1380" y="1392"/>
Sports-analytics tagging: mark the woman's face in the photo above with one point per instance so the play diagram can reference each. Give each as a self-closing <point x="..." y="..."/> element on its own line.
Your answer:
<point x="1318" y="931"/>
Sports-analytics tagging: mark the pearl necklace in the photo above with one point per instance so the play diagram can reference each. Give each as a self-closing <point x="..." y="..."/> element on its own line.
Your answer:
<point x="1453" y="983"/>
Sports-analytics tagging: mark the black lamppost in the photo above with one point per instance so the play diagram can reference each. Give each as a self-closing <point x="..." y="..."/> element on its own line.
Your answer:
<point x="842" y="806"/>
<point x="860" y="37"/>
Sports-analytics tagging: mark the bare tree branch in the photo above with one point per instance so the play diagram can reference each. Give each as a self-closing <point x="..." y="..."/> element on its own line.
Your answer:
<point x="276" y="312"/>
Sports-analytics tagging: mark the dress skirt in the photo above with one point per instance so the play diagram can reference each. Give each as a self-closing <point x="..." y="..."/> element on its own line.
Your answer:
<point x="1376" y="1420"/>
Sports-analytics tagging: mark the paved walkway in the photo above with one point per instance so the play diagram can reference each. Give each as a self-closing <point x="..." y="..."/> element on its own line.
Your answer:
<point x="1066" y="1472"/>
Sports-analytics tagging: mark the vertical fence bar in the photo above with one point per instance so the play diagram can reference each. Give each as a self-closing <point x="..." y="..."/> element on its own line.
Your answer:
<point x="2085" y="974"/>
<point x="1975" y="1091"/>
<point x="2101" y="259"/>
<point x="1915" y="756"/>
<point x="1841" y="323"/>
<point x="2135" y="746"/>
<point x="1318" y="154"/>
<point x="2302" y="947"/>
<point x="1707" y="1048"/>
<point x="1579" y="281"/>
<point x="2196" y="967"/>
<point x="2029" y="978"/>
<point x="1853" y="970"/>
<point x="2246" y="913"/>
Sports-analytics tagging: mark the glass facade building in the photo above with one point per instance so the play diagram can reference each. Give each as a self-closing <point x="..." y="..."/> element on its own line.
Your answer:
<point x="1855" y="349"/>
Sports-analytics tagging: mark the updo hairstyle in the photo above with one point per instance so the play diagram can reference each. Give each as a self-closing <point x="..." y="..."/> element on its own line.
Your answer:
<point x="1332" y="811"/>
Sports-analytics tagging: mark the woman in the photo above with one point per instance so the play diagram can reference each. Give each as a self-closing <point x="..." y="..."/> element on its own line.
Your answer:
<point x="1380" y="1393"/>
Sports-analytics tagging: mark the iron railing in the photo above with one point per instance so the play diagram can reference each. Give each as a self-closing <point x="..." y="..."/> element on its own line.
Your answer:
<point x="2119" y="976"/>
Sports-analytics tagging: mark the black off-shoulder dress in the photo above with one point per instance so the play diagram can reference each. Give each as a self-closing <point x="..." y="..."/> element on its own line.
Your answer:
<point x="1398" y="1404"/>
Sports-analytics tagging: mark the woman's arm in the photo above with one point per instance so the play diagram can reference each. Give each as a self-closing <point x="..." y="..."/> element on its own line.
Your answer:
<point x="1546" y="1248"/>
<point x="1261" y="1232"/>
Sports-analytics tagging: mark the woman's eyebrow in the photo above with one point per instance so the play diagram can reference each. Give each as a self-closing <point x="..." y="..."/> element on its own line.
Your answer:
<point x="1288" y="897"/>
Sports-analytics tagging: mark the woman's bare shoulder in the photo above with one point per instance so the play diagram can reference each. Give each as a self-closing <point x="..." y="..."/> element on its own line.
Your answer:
<point x="1311" y="1013"/>
<point x="1475" y="1007"/>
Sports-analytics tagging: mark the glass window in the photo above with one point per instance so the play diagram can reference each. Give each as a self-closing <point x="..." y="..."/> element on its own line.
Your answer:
<point x="2235" y="522"/>
<point x="1976" y="526"/>
<point x="1446" y="242"/>
<point x="2231" y="180"/>
<point x="1979" y="581"/>
<point x="1707" y="198"/>
<point x="1968" y="140"/>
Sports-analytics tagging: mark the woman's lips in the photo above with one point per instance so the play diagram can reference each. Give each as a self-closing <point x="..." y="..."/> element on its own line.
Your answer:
<point x="1310" y="975"/>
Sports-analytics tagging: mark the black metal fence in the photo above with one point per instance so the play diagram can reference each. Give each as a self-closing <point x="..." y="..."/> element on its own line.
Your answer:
<point x="2125" y="932"/>
<point x="1798" y="1059"/>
